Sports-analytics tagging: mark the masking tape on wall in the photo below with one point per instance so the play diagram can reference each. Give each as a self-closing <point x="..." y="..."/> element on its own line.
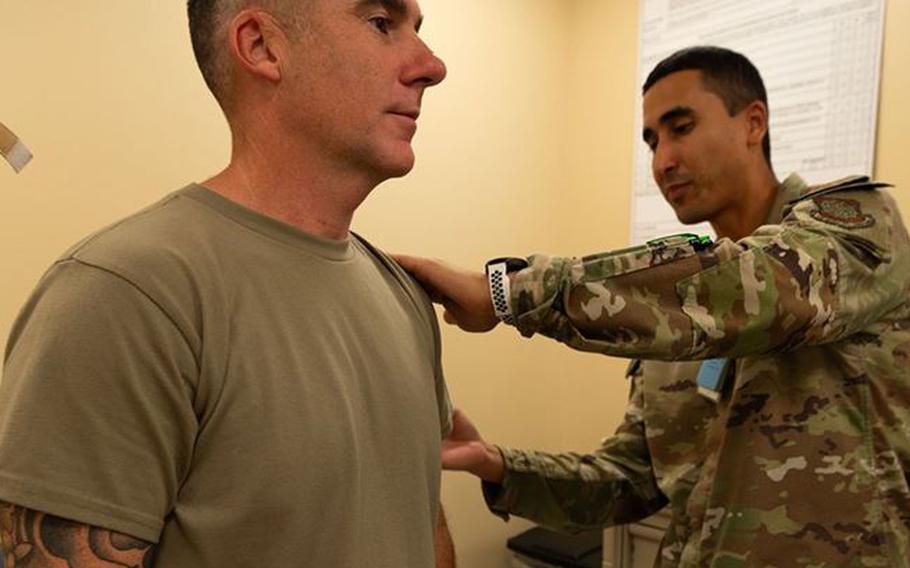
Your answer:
<point x="13" y="149"/>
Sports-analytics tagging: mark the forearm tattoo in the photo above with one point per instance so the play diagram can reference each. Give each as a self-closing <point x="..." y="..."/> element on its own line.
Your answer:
<point x="31" y="539"/>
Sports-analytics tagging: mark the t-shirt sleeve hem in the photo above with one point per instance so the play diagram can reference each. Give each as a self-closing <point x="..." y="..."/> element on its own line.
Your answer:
<point x="36" y="496"/>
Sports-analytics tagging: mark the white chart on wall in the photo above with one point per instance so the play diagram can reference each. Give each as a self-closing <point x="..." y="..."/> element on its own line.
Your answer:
<point x="820" y="60"/>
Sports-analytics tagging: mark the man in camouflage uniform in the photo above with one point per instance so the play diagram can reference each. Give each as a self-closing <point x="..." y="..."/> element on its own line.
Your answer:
<point x="790" y="446"/>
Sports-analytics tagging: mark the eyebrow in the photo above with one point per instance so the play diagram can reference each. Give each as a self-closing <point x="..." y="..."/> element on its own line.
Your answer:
<point x="676" y="112"/>
<point x="394" y="7"/>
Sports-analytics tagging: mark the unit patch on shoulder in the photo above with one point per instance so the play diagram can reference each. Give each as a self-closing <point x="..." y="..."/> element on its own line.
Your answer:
<point x="842" y="212"/>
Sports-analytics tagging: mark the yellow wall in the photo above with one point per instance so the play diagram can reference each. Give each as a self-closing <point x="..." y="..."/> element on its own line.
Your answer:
<point x="891" y="163"/>
<point x="526" y="147"/>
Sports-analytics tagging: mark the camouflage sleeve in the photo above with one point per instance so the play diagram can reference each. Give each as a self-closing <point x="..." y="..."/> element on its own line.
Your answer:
<point x="568" y="491"/>
<point x="815" y="278"/>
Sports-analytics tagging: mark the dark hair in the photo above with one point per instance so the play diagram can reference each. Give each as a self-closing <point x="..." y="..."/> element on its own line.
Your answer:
<point x="726" y="73"/>
<point x="207" y="19"/>
<point x="204" y="18"/>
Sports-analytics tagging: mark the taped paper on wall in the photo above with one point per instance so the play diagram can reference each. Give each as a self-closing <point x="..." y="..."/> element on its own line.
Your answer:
<point x="13" y="150"/>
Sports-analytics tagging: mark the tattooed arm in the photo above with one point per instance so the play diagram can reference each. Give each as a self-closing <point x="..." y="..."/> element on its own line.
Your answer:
<point x="31" y="539"/>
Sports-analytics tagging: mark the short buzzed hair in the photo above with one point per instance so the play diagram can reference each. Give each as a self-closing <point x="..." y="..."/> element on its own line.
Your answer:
<point x="724" y="72"/>
<point x="207" y="20"/>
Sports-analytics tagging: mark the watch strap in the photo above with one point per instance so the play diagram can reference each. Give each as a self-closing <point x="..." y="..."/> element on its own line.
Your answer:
<point x="498" y="271"/>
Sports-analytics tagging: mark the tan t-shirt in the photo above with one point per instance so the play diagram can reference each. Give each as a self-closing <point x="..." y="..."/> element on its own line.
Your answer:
<point x="241" y="393"/>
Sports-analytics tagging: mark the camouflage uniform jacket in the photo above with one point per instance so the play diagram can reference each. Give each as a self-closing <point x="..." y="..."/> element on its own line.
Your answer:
<point x="804" y="460"/>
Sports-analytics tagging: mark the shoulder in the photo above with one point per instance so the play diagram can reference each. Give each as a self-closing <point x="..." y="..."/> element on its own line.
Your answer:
<point x="166" y="253"/>
<point x="176" y="247"/>
<point x="853" y="204"/>
<point x="856" y="213"/>
<point x="170" y="230"/>
<point x="855" y="207"/>
<point x="390" y="266"/>
<point x="847" y="184"/>
<point x="401" y="278"/>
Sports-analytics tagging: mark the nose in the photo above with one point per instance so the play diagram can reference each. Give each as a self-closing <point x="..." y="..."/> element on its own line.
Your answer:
<point x="664" y="161"/>
<point x="424" y="68"/>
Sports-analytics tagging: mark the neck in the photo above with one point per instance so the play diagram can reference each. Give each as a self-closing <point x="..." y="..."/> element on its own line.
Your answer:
<point x="292" y="186"/>
<point x="749" y="212"/>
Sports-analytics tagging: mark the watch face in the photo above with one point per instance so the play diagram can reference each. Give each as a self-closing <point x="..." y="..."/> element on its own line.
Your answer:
<point x="513" y="263"/>
<point x="516" y="264"/>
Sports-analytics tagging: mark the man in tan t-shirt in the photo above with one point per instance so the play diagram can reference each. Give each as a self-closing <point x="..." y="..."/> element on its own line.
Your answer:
<point x="219" y="379"/>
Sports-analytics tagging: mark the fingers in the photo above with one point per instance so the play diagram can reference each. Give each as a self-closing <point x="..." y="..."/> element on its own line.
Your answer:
<point x="463" y="430"/>
<point x="429" y="271"/>
<point x="409" y="263"/>
<point x="464" y="293"/>
<point x="421" y="270"/>
<point x="465" y="450"/>
<point x="419" y="267"/>
<point x="477" y="458"/>
<point x="463" y="456"/>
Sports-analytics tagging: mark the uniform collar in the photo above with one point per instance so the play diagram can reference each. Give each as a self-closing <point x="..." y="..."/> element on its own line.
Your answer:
<point x="790" y="189"/>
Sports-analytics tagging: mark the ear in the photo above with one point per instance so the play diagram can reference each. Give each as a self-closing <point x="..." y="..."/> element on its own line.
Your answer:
<point x="756" y="122"/>
<point x="257" y="44"/>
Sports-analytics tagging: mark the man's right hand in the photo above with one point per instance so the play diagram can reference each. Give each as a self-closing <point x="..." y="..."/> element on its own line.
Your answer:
<point x="465" y="450"/>
<point x="465" y="294"/>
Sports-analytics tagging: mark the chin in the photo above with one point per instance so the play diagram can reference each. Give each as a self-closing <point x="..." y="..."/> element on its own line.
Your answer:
<point x="398" y="164"/>
<point x="380" y="166"/>
<point x="690" y="216"/>
<point x="689" y="219"/>
<point x="397" y="170"/>
<point x="388" y="171"/>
